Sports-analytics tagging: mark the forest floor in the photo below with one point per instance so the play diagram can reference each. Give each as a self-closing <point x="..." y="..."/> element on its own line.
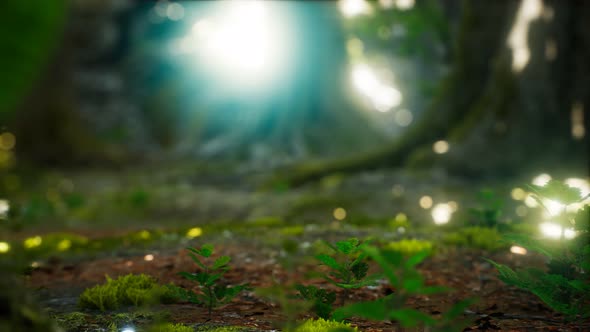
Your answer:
<point x="140" y="221"/>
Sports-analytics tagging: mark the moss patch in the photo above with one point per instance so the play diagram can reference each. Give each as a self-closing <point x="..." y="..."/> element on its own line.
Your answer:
<point x="127" y="290"/>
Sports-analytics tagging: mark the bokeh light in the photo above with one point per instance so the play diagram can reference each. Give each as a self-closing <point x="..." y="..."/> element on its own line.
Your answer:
<point x="425" y="202"/>
<point x="441" y="213"/>
<point x="339" y="213"/>
<point x="518" y="194"/>
<point x="403" y="117"/>
<point x="194" y="232"/>
<point x="351" y="8"/>
<point x="541" y="179"/>
<point x="4" y="247"/>
<point x="440" y="147"/>
<point x="518" y="39"/>
<point x="64" y="245"/>
<point x="148" y="257"/>
<point x="32" y="242"/>
<point x="518" y="250"/>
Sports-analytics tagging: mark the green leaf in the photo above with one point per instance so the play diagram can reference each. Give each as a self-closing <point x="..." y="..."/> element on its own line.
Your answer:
<point x="189" y="276"/>
<point x="329" y="261"/>
<point x="416" y="258"/>
<point x="348" y="246"/>
<point x="197" y="261"/>
<point x="211" y="279"/>
<point x="221" y="262"/>
<point x="206" y="250"/>
<point x="375" y="310"/>
<point x="359" y="270"/>
<point x="413" y="284"/>
<point x="558" y="191"/>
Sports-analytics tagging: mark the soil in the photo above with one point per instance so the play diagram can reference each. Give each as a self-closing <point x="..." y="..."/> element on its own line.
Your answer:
<point x="498" y="307"/>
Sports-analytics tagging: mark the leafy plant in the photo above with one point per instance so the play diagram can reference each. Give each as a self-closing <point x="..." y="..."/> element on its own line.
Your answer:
<point x="322" y="325"/>
<point x="348" y="268"/>
<point x="564" y="285"/>
<point x="489" y="209"/>
<point x="212" y="293"/>
<point x="322" y="300"/>
<point x="126" y="290"/>
<point x="406" y="282"/>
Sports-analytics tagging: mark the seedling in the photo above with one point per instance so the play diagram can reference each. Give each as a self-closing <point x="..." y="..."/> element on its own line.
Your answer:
<point x="406" y="282"/>
<point x="322" y="300"/>
<point x="565" y="286"/>
<point x="348" y="266"/>
<point x="212" y="293"/>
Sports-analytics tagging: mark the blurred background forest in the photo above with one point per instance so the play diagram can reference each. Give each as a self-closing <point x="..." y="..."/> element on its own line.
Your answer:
<point x="277" y="94"/>
<point x="130" y="129"/>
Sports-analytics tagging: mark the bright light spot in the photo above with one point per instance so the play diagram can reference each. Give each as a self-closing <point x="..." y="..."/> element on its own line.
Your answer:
<point x="397" y="190"/>
<point x="530" y="201"/>
<point x="35" y="264"/>
<point x="441" y="213"/>
<point x="32" y="242"/>
<point x="518" y="194"/>
<point x="578" y="128"/>
<point x="245" y="42"/>
<point x="148" y="257"/>
<point x="522" y="211"/>
<point x="128" y="329"/>
<point x="144" y="235"/>
<point x="541" y="179"/>
<point x="401" y="217"/>
<point x="384" y="97"/>
<point x="550" y="230"/>
<point x="517" y="40"/>
<point x="351" y="8"/>
<point x="4" y="208"/>
<point x="194" y="232"/>
<point x="387" y="4"/>
<point x="355" y="47"/>
<point x="550" y="50"/>
<point x="404" y="4"/>
<point x="7" y="141"/>
<point x="4" y="247"/>
<point x="454" y="206"/>
<point x="403" y="118"/>
<point x="554" y="208"/>
<point x="364" y="79"/>
<point x="518" y="250"/>
<point x="339" y="213"/>
<point x="440" y="147"/>
<point x="129" y="263"/>
<point x="426" y="202"/>
<point x="569" y="233"/>
<point x="64" y="245"/>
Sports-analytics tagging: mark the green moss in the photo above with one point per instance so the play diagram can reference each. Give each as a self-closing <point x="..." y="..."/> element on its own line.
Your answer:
<point x="409" y="247"/>
<point x="267" y="222"/>
<point x="322" y="325"/>
<point x="223" y="329"/>
<point x="292" y="230"/>
<point x="127" y="290"/>
<point x="71" y="321"/>
<point x="170" y="327"/>
<point x="476" y="237"/>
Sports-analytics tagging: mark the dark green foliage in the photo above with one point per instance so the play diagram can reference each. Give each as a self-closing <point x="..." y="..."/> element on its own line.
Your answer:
<point x="322" y="299"/>
<point x="564" y="285"/>
<point x="348" y="265"/>
<point x="213" y="293"/>
<point x="489" y="209"/>
<point x="126" y="290"/>
<point x="407" y="282"/>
